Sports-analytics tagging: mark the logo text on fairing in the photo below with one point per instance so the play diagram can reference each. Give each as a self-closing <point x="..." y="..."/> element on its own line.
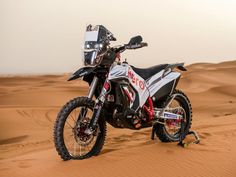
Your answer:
<point x="136" y="80"/>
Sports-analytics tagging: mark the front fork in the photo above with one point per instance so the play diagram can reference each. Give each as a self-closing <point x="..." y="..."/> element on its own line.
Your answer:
<point x="98" y="104"/>
<point x="92" y="89"/>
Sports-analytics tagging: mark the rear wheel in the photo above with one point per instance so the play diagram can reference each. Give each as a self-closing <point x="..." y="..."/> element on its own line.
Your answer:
<point x="70" y="139"/>
<point x="169" y="131"/>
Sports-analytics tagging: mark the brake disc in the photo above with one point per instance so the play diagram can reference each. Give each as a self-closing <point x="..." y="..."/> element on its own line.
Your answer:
<point x="81" y="137"/>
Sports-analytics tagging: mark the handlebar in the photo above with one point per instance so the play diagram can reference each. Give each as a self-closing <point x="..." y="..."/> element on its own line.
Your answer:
<point x="126" y="46"/>
<point x="136" y="46"/>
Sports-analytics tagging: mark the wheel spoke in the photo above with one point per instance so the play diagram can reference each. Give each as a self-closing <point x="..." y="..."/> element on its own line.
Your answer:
<point x="80" y="150"/>
<point x="75" y="148"/>
<point x="69" y="125"/>
<point x="172" y="127"/>
<point x="72" y="118"/>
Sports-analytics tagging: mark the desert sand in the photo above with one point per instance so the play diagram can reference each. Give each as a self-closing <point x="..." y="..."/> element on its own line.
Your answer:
<point x="29" y="105"/>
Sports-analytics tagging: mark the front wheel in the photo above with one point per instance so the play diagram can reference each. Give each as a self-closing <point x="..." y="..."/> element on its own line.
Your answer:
<point x="170" y="130"/>
<point x="70" y="140"/>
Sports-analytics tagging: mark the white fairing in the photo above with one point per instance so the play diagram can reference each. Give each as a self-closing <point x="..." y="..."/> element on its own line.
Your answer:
<point x="157" y="81"/>
<point x="118" y="72"/>
<point x="144" y="88"/>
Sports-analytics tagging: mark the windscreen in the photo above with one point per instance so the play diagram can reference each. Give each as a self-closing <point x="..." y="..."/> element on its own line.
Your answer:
<point x="95" y="37"/>
<point x="96" y="44"/>
<point x="91" y="34"/>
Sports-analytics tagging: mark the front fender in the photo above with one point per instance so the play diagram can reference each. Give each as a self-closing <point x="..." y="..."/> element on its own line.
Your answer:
<point x="81" y="72"/>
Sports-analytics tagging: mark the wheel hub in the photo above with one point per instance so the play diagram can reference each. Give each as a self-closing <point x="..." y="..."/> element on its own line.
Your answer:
<point x="175" y="122"/>
<point x="81" y="137"/>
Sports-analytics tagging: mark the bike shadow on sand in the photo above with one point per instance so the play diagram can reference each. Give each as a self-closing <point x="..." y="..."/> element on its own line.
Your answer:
<point x="125" y="141"/>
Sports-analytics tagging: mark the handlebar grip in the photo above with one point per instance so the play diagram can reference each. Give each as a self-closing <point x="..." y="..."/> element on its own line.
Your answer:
<point x="144" y="44"/>
<point x="113" y="38"/>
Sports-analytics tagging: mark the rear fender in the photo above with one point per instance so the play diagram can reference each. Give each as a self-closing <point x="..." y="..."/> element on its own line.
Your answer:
<point x="179" y="66"/>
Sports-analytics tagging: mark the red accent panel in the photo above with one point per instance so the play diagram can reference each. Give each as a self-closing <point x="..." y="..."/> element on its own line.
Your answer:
<point x="106" y="85"/>
<point x="128" y="95"/>
<point x="150" y="109"/>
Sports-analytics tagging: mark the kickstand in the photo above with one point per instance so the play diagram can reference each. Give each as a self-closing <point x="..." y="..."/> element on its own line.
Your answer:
<point x="185" y="144"/>
<point x="182" y="137"/>
<point x="153" y="132"/>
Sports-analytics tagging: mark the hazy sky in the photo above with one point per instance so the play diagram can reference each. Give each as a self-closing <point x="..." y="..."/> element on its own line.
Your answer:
<point x="45" y="36"/>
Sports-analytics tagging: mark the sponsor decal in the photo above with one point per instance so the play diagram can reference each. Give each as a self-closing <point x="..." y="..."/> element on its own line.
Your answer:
<point x="135" y="80"/>
<point x="170" y="115"/>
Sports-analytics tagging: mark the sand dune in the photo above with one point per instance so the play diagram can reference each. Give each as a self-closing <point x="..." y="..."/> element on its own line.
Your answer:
<point x="29" y="105"/>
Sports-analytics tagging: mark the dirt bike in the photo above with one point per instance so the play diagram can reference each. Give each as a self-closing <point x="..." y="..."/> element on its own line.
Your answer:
<point x="123" y="96"/>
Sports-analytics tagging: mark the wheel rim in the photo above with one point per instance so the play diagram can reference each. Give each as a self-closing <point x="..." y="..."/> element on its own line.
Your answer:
<point x="172" y="127"/>
<point x="78" y="143"/>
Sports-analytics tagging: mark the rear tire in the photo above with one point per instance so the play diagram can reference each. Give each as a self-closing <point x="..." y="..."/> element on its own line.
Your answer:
<point x="161" y="131"/>
<point x="60" y="124"/>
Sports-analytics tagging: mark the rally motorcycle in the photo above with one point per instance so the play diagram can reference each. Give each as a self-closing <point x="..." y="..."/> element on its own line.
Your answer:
<point x="123" y="96"/>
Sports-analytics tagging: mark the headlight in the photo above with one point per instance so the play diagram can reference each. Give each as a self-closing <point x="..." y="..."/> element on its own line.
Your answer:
<point x="87" y="46"/>
<point x="98" y="46"/>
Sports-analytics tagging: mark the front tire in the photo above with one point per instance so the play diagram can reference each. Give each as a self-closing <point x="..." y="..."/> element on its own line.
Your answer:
<point x="161" y="130"/>
<point x="77" y="125"/>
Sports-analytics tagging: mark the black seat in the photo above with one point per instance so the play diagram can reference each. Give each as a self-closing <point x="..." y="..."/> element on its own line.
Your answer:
<point x="146" y="73"/>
